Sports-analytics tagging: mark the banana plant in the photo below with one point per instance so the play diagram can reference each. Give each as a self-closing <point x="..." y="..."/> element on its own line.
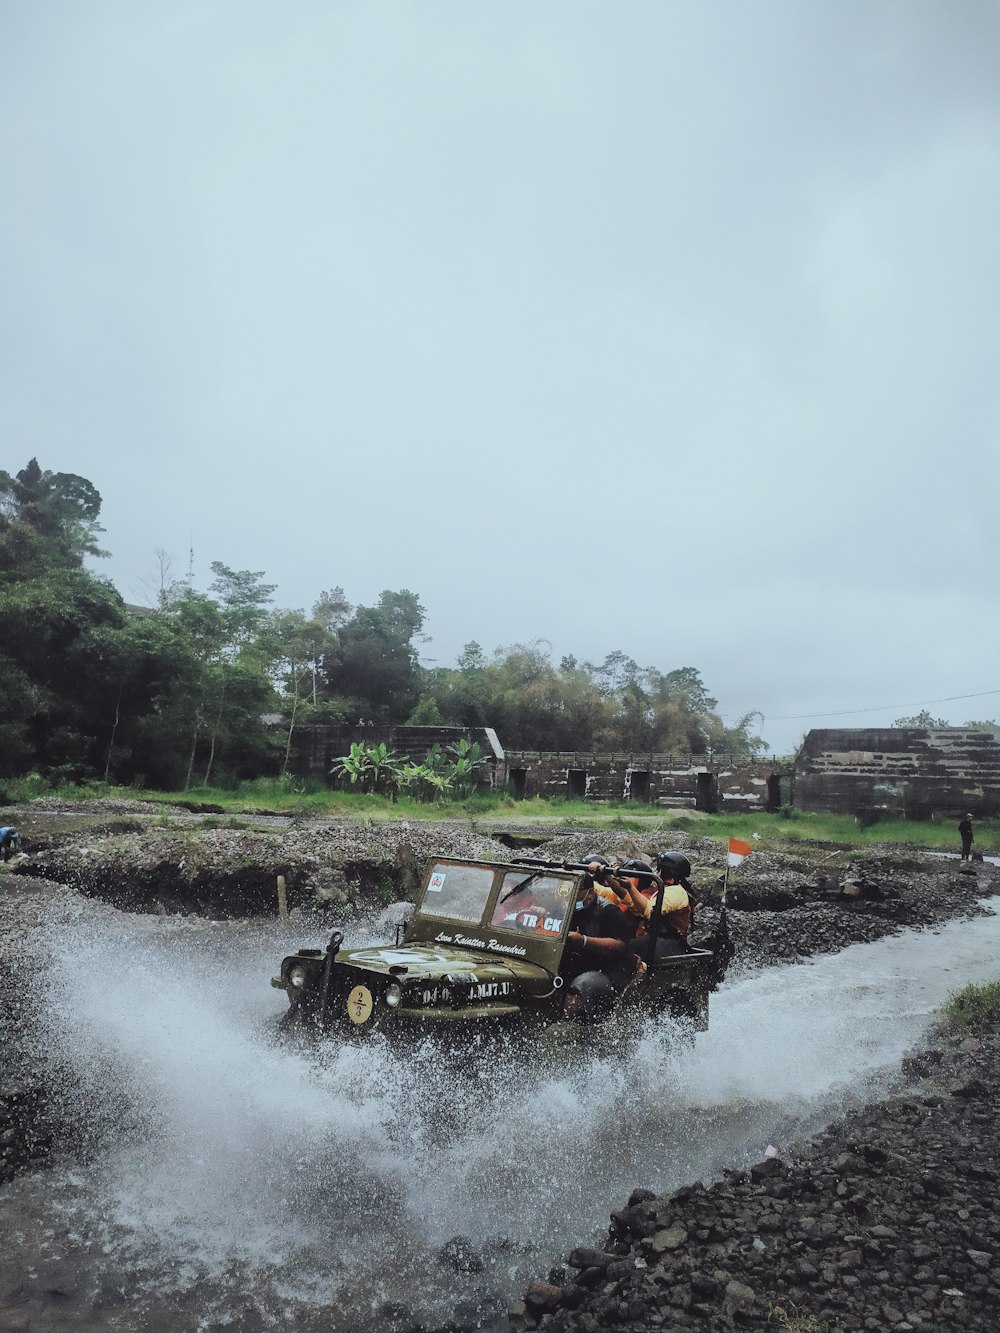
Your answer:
<point x="355" y="767"/>
<point x="370" y="768"/>
<point x="424" y="783"/>
<point x="385" y="767"/>
<point x="466" y="766"/>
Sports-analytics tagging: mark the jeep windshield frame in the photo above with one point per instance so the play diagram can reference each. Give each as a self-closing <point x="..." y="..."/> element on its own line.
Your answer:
<point x="501" y="910"/>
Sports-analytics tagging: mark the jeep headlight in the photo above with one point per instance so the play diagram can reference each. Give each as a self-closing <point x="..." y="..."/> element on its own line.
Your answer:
<point x="393" y="995"/>
<point x="297" y="975"/>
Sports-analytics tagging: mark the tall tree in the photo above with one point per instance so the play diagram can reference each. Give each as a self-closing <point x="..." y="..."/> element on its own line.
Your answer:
<point x="377" y="667"/>
<point x="46" y="518"/>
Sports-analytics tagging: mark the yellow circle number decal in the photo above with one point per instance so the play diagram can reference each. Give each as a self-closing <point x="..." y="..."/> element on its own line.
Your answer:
<point x="359" y="1004"/>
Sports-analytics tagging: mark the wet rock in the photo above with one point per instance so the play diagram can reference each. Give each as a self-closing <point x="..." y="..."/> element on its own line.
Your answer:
<point x="459" y="1255"/>
<point x="971" y="1087"/>
<point x="543" y="1298"/>
<point x="671" y="1238"/>
<point x="703" y="1286"/>
<point x="767" y="1169"/>
<point x="738" y="1297"/>
<point x="584" y="1257"/>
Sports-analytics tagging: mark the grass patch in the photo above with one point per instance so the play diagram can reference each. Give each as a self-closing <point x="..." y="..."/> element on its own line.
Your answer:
<point x="794" y="1320"/>
<point x="974" y="1009"/>
<point x="311" y="799"/>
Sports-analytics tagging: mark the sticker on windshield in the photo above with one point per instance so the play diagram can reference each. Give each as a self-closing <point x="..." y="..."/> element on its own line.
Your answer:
<point x="436" y="882"/>
<point x="533" y="920"/>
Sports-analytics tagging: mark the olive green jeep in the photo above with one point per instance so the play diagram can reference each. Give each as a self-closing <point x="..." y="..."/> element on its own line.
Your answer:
<point x="482" y="949"/>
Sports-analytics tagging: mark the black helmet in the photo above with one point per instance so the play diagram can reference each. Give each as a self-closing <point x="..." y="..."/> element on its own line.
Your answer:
<point x="672" y="865"/>
<point x="587" y="857"/>
<point x="596" y="992"/>
<point x="636" y="864"/>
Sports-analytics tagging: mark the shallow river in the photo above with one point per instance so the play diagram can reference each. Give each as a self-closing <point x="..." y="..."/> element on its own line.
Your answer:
<point x="228" y="1181"/>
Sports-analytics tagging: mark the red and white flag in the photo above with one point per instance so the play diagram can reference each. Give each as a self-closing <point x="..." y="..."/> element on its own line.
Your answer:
<point x="738" y="851"/>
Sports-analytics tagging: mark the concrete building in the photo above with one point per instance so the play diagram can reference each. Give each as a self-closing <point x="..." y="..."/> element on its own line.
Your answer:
<point x="675" y="780"/>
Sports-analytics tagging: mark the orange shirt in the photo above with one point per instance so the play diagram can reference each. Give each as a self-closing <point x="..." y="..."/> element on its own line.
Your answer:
<point x="623" y="904"/>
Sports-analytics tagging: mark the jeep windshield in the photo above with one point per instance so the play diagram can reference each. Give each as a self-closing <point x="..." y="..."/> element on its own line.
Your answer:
<point x="500" y="909"/>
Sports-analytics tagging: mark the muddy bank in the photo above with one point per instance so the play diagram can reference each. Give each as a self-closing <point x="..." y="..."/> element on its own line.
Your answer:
<point x="886" y="1220"/>
<point x="229" y="868"/>
<point x="786" y="904"/>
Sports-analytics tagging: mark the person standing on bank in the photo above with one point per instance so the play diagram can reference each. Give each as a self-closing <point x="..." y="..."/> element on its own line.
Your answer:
<point x="965" y="829"/>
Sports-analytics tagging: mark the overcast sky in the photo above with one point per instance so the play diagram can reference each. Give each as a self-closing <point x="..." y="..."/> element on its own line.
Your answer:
<point x="662" y="327"/>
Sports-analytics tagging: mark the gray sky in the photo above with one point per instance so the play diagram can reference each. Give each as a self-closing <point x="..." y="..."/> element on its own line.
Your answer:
<point x="669" y="328"/>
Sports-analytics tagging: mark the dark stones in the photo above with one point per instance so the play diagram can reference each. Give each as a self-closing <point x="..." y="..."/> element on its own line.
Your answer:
<point x="972" y="1087"/>
<point x="460" y="1255"/>
<point x="884" y="1221"/>
<point x="583" y="1257"/>
<point x="770" y="1166"/>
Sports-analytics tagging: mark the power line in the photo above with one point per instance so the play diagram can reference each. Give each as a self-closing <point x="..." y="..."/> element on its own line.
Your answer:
<point x="846" y="712"/>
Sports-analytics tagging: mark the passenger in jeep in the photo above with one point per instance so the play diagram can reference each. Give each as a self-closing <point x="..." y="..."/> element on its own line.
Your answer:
<point x="612" y="888"/>
<point x="676" y="913"/>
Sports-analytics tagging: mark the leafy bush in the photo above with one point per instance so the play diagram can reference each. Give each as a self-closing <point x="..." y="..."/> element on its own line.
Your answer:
<point x="370" y="768"/>
<point x="466" y="767"/>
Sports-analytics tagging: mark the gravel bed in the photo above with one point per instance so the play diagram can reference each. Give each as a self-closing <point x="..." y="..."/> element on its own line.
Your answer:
<point x="886" y="1220"/>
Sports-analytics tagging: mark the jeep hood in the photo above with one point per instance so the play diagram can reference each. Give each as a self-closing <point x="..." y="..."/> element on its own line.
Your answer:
<point x="434" y="962"/>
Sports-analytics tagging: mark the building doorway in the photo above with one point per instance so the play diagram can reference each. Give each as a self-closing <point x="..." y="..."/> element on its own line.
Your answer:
<point x="576" y="784"/>
<point x="707" y="797"/>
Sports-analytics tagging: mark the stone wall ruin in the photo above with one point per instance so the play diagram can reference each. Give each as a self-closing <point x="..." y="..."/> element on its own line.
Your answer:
<point x="911" y="772"/>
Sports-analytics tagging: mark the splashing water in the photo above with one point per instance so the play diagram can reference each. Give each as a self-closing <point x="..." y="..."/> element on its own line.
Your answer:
<point x="230" y="1178"/>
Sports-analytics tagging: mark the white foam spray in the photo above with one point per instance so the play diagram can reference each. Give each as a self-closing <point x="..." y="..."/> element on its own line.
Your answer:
<point x="245" y="1173"/>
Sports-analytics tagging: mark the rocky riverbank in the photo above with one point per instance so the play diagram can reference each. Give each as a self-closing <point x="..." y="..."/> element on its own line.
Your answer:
<point x="885" y="1221"/>
<point x="784" y="905"/>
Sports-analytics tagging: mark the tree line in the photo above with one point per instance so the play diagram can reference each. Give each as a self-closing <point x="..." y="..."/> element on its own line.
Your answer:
<point x="215" y="686"/>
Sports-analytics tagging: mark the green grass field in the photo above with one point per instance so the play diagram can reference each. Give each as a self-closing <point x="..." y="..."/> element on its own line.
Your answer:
<point x="309" y="799"/>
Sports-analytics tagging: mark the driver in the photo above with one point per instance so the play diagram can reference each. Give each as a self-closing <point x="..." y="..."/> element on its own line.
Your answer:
<point x="600" y="939"/>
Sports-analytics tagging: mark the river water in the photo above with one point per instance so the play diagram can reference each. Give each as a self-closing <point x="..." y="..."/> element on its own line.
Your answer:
<point x="228" y="1181"/>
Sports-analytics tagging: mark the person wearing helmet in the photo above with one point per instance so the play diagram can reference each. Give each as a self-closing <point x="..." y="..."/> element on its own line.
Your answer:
<point x="965" y="830"/>
<point x="640" y="884"/>
<point x="610" y="887"/>
<point x="676" y="912"/>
